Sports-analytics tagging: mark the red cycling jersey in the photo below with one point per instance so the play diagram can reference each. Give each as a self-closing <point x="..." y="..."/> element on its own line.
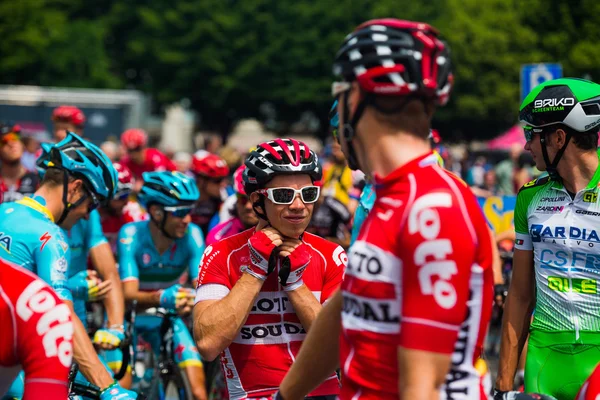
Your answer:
<point x="154" y="161"/>
<point x="36" y="335"/>
<point x="591" y="388"/>
<point x="419" y="276"/>
<point x="111" y="224"/>
<point x="256" y="361"/>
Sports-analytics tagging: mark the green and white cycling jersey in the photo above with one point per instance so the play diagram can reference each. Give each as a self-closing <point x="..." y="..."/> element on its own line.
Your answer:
<point x="564" y="234"/>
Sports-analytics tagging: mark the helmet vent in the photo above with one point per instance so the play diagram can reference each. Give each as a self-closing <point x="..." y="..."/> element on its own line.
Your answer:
<point x="591" y="109"/>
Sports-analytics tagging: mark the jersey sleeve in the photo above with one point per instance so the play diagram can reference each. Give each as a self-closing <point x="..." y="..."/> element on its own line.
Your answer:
<point x="126" y="245"/>
<point x="52" y="257"/>
<point x="213" y="275"/>
<point x="196" y="247"/>
<point x="334" y="273"/>
<point x="94" y="233"/>
<point x="438" y="253"/>
<point x="522" y="237"/>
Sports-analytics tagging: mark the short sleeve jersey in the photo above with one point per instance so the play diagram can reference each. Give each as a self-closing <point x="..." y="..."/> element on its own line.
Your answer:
<point x="564" y="237"/>
<point x="36" y="335"/>
<point x="154" y="161"/>
<point x="419" y="277"/>
<point x="30" y="238"/>
<point x="256" y="361"/>
<point x="139" y="259"/>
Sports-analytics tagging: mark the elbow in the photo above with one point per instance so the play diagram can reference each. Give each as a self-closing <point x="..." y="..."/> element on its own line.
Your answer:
<point x="208" y="351"/>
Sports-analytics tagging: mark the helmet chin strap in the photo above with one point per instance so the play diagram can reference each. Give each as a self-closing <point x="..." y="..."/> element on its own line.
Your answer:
<point x="67" y="206"/>
<point x="260" y="203"/>
<point x="348" y="130"/>
<point x="160" y="224"/>
<point x="551" y="167"/>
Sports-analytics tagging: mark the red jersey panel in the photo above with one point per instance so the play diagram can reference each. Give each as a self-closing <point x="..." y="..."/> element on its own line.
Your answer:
<point x="419" y="276"/>
<point x="36" y="334"/>
<point x="265" y="348"/>
<point x="591" y="388"/>
<point x="154" y="161"/>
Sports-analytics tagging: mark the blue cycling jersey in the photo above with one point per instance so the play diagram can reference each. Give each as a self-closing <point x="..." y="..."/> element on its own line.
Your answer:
<point x="83" y="236"/>
<point x="30" y="238"/>
<point x="365" y="204"/>
<point x="139" y="259"/>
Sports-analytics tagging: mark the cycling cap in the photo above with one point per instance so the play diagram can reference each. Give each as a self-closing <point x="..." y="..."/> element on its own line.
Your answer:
<point x="279" y="157"/>
<point x="83" y="160"/>
<point x="134" y="138"/>
<point x="69" y="114"/>
<point x="395" y="58"/>
<point x="572" y="102"/>
<point x="210" y="165"/>
<point x="168" y="189"/>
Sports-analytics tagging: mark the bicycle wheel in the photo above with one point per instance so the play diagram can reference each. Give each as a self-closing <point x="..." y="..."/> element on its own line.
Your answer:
<point x="176" y="385"/>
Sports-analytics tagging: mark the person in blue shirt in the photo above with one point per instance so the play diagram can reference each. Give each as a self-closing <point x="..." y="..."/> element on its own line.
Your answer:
<point x="79" y="178"/>
<point x="154" y="258"/>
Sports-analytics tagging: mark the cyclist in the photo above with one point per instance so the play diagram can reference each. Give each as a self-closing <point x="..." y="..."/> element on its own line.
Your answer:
<point x="121" y="209"/>
<point x="85" y="240"/>
<point x="37" y="335"/>
<point x="67" y="119"/>
<point x="591" y="388"/>
<point x="153" y="256"/>
<point x="210" y="171"/>
<point x="243" y="216"/>
<point x="140" y="158"/>
<point x="556" y="245"/>
<point x="79" y="178"/>
<point x="15" y="180"/>
<point x="259" y="291"/>
<point x="416" y="294"/>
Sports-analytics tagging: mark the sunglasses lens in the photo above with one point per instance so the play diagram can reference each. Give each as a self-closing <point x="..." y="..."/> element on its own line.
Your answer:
<point x="310" y="194"/>
<point x="182" y="212"/>
<point x="283" y="195"/>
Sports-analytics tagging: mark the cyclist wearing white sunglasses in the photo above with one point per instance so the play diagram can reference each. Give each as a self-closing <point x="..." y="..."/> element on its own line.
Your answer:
<point x="260" y="290"/>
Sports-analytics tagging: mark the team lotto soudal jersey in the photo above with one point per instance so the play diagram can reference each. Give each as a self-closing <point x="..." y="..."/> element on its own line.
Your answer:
<point x="36" y="335"/>
<point x="263" y="351"/>
<point x="419" y="276"/>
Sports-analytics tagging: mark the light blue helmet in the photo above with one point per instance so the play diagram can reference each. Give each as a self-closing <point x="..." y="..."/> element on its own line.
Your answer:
<point x="41" y="163"/>
<point x="83" y="160"/>
<point x="169" y="189"/>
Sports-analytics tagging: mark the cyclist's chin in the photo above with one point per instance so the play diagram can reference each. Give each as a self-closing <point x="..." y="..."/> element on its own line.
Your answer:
<point x="293" y="230"/>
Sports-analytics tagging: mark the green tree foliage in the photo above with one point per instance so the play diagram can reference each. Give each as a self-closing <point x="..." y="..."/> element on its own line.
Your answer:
<point x="230" y="56"/>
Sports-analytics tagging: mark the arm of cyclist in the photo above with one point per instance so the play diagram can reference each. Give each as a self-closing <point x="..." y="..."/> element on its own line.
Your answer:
<point x="517" y="317"/>
<point x="497" y="262"/>
<point x="319" y="355"/>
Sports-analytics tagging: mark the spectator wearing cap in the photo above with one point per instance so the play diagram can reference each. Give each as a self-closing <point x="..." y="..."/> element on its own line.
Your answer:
<point x="15" y="180"/>
<point x="67" y="118"/>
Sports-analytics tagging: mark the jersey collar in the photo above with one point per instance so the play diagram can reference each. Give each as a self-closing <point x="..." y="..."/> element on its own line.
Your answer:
<point x="400" y="173"/>
<point x="38" y="203"/>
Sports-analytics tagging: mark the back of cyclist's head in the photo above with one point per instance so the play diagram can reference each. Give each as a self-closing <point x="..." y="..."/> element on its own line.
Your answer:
<point x="395" y="71"/>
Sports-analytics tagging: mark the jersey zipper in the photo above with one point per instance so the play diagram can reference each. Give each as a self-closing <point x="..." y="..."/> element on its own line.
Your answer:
<point x="574" y="316"/>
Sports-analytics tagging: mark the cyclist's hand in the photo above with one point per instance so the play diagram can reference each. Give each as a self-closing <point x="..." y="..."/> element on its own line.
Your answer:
<point x="296" y="257"/>
<point x="78" y="285"/>
<point x="97" y="288"/>
<point x="175" y="297"/>
<point x="185" y="301"/>
<point x="262" y="255"/>
<point x="116" y="392"/>
<point x="108" y="339"/>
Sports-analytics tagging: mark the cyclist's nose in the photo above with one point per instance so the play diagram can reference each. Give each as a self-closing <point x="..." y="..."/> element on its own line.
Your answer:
<point x="297" y="204"/>
<point x="187" y="219"/>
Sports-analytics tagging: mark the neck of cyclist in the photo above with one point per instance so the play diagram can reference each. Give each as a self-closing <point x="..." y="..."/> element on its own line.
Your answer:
<point x="577" y="167"/>
<point x="54" y="198"/>
<point x="162" y="242"/>
<point x="382" y="146"/>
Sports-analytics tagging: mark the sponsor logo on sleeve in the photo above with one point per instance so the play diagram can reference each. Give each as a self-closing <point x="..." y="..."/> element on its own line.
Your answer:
<point x="5" y="242"/>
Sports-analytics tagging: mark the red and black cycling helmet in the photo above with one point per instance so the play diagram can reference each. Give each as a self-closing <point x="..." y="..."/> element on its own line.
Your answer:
<point x="279" y="157"/>
<point x="391" y="57"/>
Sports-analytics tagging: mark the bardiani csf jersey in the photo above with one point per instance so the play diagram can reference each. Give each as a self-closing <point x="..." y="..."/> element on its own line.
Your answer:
<point x="564" y="235"/>
<point x="419" y="277"/>
<point x="36" y="335"/>
<point x="139" y="259"/>
<point x="263" y="351"/>
<point x="30" y="238"/>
